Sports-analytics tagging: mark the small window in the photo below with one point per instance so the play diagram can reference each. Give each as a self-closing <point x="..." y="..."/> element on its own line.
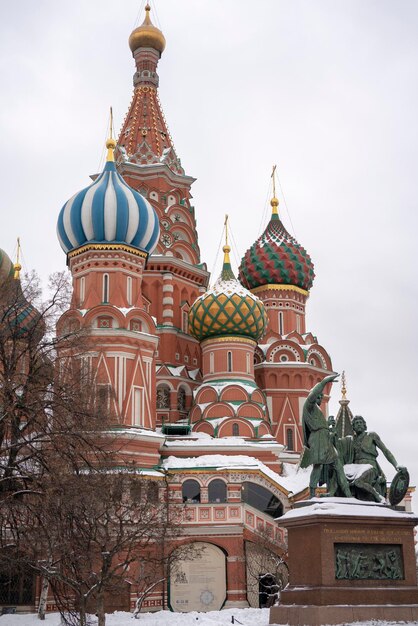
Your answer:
<point x="248" y="362"/>
<point x="136" y="325"/>
<point x="298" y="324"/>
<point x="129" y="290"/>
<point x="229" y="362"/>
<point x="185" y="321"/>
<point x="153" y="492"/>
<point x="289" y="439"/>
<point x="217" y="491"/>
<point x="235" y="430"/>
<point x="136" y="490"/>
<point x="211" y="363"/>
<point x="103" y="398"/>
<point x="281" y="324"/>
<point x="284" y="358"/>
<point x="104" y="322"/>
<point x="137" y="407"/>
<point x="163" y="398"/>
<point x="82" y="289"/>
<point x="105" y="288"/>
<point x="177" y="356"/>
<point x="191" y="491"/>
<point x="181" y="399"/>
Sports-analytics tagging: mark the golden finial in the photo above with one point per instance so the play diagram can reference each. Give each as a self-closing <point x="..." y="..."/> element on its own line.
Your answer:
<point x="110" y="143"/>
<point x="17" y="266"/>
<point x="227" y="273"/>
<point x="147" y="35"/>
<point x="226" y="247"/>
<point x="274" y="201"/>
<point x="343" y="387"/>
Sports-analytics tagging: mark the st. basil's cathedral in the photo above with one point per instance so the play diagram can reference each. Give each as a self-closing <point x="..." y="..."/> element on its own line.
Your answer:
<point x="207" y="378"/>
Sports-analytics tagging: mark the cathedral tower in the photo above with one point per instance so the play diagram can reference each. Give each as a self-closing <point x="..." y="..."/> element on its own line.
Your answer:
<point x="289" y="360"/>
<point x="108" y="231"/>
<point x="174" y="276"/>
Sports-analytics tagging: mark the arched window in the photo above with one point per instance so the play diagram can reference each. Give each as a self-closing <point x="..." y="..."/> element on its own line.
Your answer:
<point x="163" y="398"/>
<point x="17" y="587"/>
<point x="248" y="362"/>
<point x="217" y="491"/>
<point x="185" y="321"/>
<point x="289" y="439"/>
<point x="105" y="288"/>
<point x="261" y="499"/>
<point x="191" y="491"/>
<point x="229" y="363"/>
<point x="235" y="430"/>
<point x="181" y="400"/>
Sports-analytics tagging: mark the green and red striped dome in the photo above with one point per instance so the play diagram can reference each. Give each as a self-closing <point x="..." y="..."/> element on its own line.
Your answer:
<point x="276" y="258"/>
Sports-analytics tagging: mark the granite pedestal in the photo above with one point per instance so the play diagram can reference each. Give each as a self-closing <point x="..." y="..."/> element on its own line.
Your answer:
<point x="348" y="561"/>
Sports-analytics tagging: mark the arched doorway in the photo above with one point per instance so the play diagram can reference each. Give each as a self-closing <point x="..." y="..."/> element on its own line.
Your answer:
<point x="198" y="580"/>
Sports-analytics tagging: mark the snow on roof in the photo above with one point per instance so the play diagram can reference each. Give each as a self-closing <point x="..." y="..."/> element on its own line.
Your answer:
<point x="198" y="440"/>
<point x="176" y="371"/>
<point x="348" y="507"/>
<point x="194" y="373"/>
<point x="136" y="432"/>
<point x="239" y="461"/>
<point x="294" y="478"/>
<point x="124" y="309"/>
<point x="219" y="385"/>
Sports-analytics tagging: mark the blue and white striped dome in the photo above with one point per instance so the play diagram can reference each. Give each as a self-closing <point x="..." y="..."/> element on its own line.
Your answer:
<point x="108" y="211"/>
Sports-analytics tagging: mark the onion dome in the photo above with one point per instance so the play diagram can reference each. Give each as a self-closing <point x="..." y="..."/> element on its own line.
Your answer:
<point x="227" y="309"/>
<point x="276" y="258"/>
<point x="147" y="35"/>
<point x="6" y="267"/>
<point x="20" y="317"/>
<point x="108" y="212"/>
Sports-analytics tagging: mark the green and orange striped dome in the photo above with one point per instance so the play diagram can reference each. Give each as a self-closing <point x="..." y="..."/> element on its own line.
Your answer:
<point x="227" y="309"/>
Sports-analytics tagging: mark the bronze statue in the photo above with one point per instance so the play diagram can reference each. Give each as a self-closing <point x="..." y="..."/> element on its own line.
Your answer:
<point x="319" y="449"/>
<point x="362" y="449"/>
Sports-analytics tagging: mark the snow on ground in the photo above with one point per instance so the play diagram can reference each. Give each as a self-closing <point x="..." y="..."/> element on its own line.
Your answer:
<point x="246" y="617"/>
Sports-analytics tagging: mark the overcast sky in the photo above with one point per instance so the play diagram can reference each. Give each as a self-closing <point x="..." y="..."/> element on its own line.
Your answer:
<point x="326" y="90"/>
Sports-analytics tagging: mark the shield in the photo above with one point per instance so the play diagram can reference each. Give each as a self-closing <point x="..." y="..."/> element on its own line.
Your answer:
<point x="399" y="486"/>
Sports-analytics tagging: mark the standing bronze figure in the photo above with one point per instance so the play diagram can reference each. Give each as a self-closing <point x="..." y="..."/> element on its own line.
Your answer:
<point x="319" y="449"/>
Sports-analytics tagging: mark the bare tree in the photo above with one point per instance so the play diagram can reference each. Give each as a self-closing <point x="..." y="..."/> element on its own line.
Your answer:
<point x="102" y="530"/>
<point x="266" y="569"/>
<point x="49" y="423"/>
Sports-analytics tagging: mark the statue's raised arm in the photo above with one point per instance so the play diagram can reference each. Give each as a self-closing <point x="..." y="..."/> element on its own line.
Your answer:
<point x="319" y="449"/>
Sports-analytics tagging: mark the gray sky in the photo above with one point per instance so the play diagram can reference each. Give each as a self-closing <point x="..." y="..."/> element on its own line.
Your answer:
<point x="326" y="90"/>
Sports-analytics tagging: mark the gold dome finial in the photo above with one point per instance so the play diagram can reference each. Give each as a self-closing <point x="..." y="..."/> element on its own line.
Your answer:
<point x="226" y="249"/>
<point x="17" y="266"/>
<point x="274" y="201"/>
<point x="110" y="143"/>
<point x="343" y="387"/>
<point x="147" y="35"/>
<point x="227" y="273"/>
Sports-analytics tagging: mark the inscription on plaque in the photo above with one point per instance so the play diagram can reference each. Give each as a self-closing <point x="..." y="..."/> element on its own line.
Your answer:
<point x="368" y="561"/>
